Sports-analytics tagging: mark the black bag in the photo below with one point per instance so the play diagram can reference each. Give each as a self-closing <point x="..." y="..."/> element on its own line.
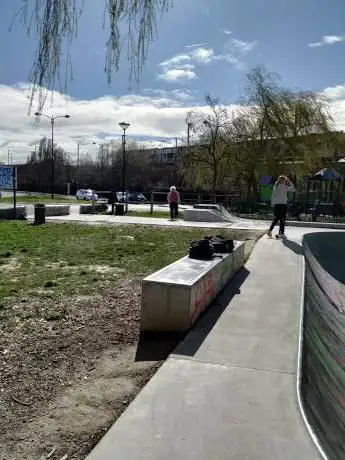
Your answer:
<point x="202" y="250"/>
<point x="221" y="244"/>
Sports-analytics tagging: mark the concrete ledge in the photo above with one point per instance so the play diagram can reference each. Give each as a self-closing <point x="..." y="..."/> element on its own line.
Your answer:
<point x="7" y="213"/>
<point x="174" y="297"/>
<point x="326" y="225"/>
<point x="57" y="210"/>
<point x="87" y="208"/>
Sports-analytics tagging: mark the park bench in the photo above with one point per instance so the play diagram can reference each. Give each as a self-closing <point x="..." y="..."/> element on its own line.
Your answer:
<point x="173" y="298"/>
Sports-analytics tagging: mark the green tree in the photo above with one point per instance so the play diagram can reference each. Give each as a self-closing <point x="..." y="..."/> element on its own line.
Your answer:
<point x="278" y="130"/>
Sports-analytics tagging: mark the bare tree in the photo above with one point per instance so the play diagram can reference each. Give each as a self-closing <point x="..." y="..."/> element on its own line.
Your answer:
<point x="204" y="160"/>
<point x="56" y="24"/>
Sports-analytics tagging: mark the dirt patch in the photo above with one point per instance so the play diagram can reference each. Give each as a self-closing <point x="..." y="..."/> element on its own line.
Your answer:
<point x="63" y="382"/>
<point x="71" y="358"/>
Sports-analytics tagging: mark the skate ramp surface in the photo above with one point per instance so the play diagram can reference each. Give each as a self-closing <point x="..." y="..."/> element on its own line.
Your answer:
<point x="324" y="340"/>
<point x="209" y="213"/>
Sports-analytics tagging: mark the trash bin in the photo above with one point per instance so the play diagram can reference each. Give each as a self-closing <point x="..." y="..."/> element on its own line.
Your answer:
<point x="119" y="209"/>
<point x="40" y="214"/>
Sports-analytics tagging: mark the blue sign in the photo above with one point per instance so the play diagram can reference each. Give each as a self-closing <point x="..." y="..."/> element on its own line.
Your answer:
<point x="6" y="177"/>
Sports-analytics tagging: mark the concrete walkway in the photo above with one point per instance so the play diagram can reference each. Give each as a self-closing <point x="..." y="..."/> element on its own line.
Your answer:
<point x="229" y="390"/>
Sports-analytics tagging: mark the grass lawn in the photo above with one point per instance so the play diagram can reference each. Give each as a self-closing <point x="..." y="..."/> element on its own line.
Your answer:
<point x="69" y="328"/>
<point x="59" y="199"/>
<point x="59" y="260"/>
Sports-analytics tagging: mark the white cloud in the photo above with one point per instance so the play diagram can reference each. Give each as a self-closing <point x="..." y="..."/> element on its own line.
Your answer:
<point x="334" y="92"/>
<point x="204" y="55"/>
<point x="227" y="32"/>
<point x="175" y="60"/>
<point x="177" y="74"/>
<point x="181" y="66"/>
<point x="328" y="40"/>
<point x="156" y="117"/>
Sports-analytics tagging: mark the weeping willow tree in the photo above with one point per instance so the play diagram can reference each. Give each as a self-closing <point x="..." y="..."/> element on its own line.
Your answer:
<point x="56" y="24"/>
<point x="278" y="130"/>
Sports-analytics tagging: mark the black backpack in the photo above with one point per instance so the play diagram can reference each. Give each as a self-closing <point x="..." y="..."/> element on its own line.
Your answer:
<point x="202" y="250"/>
<point x="221" y="244"/>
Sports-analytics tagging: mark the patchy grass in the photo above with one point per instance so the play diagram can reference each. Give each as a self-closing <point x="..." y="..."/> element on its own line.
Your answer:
<point x="63" y="259"/>
<point x="70" y="300"/>
<point x="33" y="199"/>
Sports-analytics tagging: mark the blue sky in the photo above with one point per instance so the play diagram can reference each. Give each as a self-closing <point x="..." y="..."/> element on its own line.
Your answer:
<point x="302" y="41"/>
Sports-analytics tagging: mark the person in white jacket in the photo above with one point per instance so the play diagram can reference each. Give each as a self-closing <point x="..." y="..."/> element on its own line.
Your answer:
<point x="279" y="202"/>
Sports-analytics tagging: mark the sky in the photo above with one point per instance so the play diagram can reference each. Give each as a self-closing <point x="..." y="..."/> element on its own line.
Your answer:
<point x="202" y="47"/>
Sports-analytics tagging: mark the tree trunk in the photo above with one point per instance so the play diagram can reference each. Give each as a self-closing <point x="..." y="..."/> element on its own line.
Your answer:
<point x="214" y="180"/>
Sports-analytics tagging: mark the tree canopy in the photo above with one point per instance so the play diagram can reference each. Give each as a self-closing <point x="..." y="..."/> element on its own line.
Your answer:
<point x="272" y="131"/>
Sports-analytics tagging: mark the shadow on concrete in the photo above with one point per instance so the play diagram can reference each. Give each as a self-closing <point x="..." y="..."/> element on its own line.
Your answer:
<point x="207" y="321"/>
<point x="293" y="246"/>
<point x="329" y="250"/>
<point x="157" y="346"/>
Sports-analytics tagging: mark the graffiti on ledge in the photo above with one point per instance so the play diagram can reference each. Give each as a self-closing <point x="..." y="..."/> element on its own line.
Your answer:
<point x="205" y="292"/>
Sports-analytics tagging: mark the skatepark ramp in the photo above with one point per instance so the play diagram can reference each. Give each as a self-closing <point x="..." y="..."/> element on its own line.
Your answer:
<point x="208" y="213"/>
<point x="323" y="359"/>
<point x="228" y="391"/>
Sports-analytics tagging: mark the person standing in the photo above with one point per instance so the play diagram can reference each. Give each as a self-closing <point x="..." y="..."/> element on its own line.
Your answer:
<point x="94" y="198"/>
<point x="279" y="203"/>
<point x="112" y="200"/>
<point x="173" y="201"/>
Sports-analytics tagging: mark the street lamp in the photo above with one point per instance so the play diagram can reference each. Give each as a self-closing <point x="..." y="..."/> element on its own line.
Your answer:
<point x="52" y="121"/>
<point x="189" y="126"/>
<point x="102" y="160"/>
<point x="123" y="125"/>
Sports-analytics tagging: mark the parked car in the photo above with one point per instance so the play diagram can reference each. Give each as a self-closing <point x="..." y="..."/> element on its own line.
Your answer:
<point x="133" y="197"/>
<point x="85" y="194"/>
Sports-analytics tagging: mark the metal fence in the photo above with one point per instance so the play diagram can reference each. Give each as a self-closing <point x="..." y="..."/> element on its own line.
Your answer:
<point x="303" y="212"/>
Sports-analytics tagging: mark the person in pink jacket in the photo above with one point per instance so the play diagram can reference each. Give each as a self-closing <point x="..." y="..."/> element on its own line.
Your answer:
<point x="173" y="201"/>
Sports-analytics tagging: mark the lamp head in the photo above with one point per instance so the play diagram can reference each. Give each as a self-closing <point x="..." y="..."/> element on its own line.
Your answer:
<point x="67" y="116"/>
<point x="124" y="125"/>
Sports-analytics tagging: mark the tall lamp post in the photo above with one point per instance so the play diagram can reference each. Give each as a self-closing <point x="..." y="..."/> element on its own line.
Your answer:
<point x="189" y="126"/>
<point x="52" y="122"/>
<point x="123" y="125"/>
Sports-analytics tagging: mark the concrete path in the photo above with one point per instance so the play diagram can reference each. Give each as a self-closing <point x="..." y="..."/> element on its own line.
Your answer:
<point x="229" y="390"/>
